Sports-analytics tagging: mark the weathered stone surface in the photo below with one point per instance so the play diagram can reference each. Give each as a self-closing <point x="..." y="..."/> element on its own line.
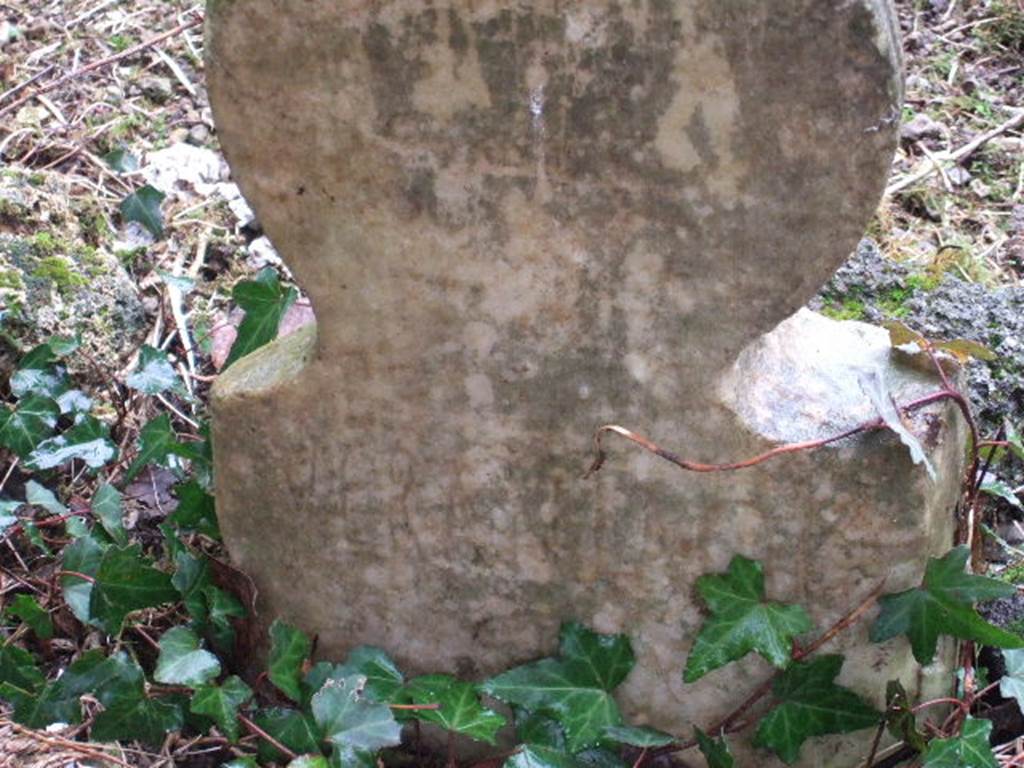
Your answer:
<point x="518" y="221"/>
<point x="58" y="276"/>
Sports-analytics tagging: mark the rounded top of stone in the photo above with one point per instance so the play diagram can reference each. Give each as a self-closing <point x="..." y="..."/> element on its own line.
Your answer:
<point x="676" y="175"/>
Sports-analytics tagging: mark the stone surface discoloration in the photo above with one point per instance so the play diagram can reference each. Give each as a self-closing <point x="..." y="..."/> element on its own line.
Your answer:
<point x="519" y="221"/>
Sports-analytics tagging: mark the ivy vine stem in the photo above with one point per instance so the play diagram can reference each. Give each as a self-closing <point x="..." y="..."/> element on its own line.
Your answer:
<point x="255" y="729"/>
<point x="809" y="445"/>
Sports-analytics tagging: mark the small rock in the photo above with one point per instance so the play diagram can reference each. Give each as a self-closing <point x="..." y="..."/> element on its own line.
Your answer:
<point x="921" y="126"/>
<point x="155" y="88"/>
<point x="198" y="134"/>
<point x="262" y="254"/>
<point x="8" y="33"/>
<point x="970" y="85"/>
<point x="238" y="205"/>
<point x="980" y="188"/>
<point x="182" y="166"/>
<point x="918" y="83"/>
<point x="299" y="315"/>
<point x="958" y="176"/>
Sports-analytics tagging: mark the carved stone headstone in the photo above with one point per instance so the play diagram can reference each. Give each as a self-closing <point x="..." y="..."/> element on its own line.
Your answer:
<point x="519" y="220"/>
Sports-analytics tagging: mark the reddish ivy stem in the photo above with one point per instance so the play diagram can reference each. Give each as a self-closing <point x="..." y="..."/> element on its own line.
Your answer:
<point x="809" y="445"/>
<point x="255" y="729"/>
<point x="960" y="704"/>
<point x="47" y="523"/>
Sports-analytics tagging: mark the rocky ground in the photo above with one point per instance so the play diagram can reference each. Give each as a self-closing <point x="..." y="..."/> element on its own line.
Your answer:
<point x="92" y="112"/>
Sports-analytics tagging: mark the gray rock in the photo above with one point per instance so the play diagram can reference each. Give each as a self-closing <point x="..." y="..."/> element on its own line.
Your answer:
<point x="945" y="308"/>
<point x="958" y="176"/>
<point x="922" y="126"/>
<point x="183" y="170"/>
<point x="198" y="134"/>
<point x="917" y="82"/>
<point x="155" y="88"/>
<point x="56" y="276"/>
<point x="238" y="206"/>
<point x="261" y="253"/>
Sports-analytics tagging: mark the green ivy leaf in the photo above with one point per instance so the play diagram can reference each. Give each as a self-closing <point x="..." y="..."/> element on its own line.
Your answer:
<point x="106" y="506"/>
<point x="80" y="556"/>
<point x="138" y="718"/>
<point x="383" y="678"/>
<point x="742" y="621"/>
<point x="48" y="382"/>
<point x="195" y="510"/>
<point x="569" y="688"/>
<point x="18" y="669"/>
<point x="534" y="756"/>
<point x="602" y="661"/>
<point x="32" y="614"/>
<point x="58" y="347"/>
<point x="7" y="517"/>
<point x="88" y="441"/>
<point x="352" y="723"/>
<point x="811" y="704"/>
<point x="222" y="703"/>
<point x="157" y="442"/>
<point x="242" y="762"/>
<point x="642" y="737"/>
<point x="76" y="527"/>
<point x="943" y="604"/>
<point x="143" y="206"/>
<point x="37" y="373"/>
<point x="1016" y="443"/>
<point x="38" y="496"/>
<point x="182" y="661"/>
<point x="716" y="751"/>
<point x="460" y="708"/>
<point x="565" y="689"/>
<point x="191" y="577"/>
<point x="1003" y="491"/>
<point x="292" y="728"/>
<point x="289" y="648"/>
<point x="539" y="729"/>
<point x="74" y="401"/>
<point x="309" y="761"/>
<point x="899" y="716"/>
<point x="35" y="537"/>
<point x="106" y="679"/>
<point x="265" y="301"/>
<point x="600" y="758"/>
<point x="126" y="582"/>
<point x="121" y="160"/>
<point x="968" y="750"/>
<point x="1011" y="686"/>
<point x="25" y="427"/>
<point x="221" y="607"/>
<point x="154" y="374"/>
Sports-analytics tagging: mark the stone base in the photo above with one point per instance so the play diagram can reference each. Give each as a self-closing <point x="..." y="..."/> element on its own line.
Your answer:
<point x="461" y="546"/>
